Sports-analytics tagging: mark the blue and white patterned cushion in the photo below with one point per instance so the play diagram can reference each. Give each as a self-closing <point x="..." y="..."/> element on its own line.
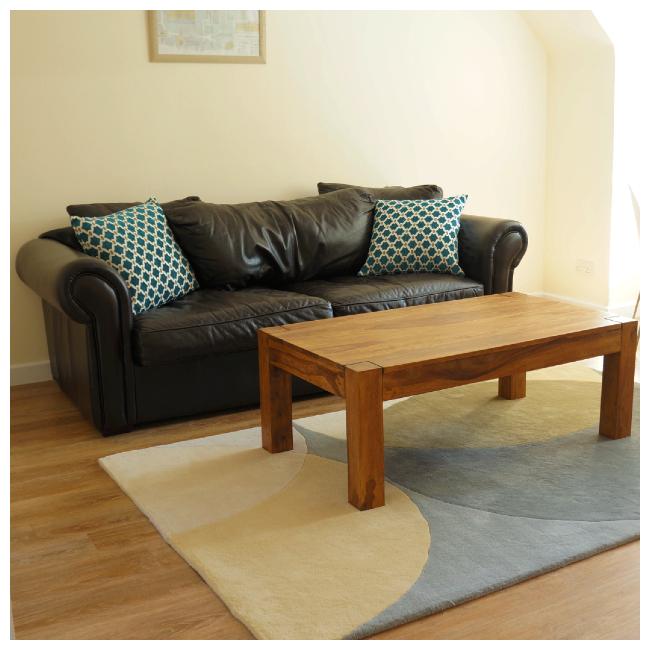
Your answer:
<point x="415" y="236"/>
<point x="139" y="244"/>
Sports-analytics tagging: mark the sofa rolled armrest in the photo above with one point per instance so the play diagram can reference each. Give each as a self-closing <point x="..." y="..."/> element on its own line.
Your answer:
<point x="62" y="276"/>
<point x="88" y="322"/>
<point x="490" y="250"/>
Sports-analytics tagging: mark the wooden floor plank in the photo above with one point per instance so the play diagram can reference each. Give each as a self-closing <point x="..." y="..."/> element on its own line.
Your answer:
<point x="86" y="564"/>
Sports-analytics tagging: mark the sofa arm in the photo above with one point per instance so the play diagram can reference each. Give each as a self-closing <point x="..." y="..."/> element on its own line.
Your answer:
<point x="82" y="294"/>
<point x="490" y="250"/>
<point x="71" y="281"/>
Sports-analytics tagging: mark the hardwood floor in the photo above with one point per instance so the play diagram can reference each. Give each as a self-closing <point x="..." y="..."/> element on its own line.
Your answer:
<point x="86" y="564"/>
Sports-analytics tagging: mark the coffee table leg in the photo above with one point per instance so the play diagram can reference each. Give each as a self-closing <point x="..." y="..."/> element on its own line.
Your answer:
<point x="513" y="386"/>
<point x="275" y="402"/>
<point x="618" y="386"/>
<point x="365" y="435"/>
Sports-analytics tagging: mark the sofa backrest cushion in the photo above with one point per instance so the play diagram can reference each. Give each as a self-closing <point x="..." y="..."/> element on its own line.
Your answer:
<point x="392" y="193"/>
<point x="92" y="210"/>
<point x="66" y="235"/>
<point x="274" y="242"/>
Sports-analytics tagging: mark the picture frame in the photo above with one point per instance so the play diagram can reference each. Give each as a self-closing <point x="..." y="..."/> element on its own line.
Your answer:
<point x="205" y="37"/>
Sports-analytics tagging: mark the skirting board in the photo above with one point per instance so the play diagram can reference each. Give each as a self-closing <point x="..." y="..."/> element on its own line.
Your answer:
<point x="30" y="373"/>
<point x="625" y="309"/>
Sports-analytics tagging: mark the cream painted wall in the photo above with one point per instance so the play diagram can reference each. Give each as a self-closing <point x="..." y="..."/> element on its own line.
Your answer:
<point x="453" y="98"/>
<point x="579" y="153"/>
<point x="579" y="175"/>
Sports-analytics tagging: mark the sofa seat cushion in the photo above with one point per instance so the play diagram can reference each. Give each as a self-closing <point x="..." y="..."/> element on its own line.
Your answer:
<point x="356" y="295"/>
<point x="213" y="321"/>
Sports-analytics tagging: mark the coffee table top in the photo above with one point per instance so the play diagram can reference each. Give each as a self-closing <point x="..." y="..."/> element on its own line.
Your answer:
<point x="447" y="330"/>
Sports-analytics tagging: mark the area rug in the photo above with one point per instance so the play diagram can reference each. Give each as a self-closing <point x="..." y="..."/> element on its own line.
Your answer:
<point x="482" y="493"/>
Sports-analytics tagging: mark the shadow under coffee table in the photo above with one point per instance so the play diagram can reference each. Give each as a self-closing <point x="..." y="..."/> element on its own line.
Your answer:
<point x="369" y="358"/>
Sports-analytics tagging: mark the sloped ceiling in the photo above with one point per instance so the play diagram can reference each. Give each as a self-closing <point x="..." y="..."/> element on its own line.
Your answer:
<point x="561" y="32"/>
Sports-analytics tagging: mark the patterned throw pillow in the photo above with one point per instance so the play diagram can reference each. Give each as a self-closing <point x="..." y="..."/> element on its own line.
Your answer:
<point x="415" y="237"/>
<point x="139" y="245"/>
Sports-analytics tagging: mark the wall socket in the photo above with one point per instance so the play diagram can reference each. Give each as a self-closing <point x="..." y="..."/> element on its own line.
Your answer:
<point x="585" y="266"/>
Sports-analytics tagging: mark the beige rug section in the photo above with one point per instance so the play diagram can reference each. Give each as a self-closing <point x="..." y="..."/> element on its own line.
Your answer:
<point x="242" y="517"/>
<point x="274" y="536"/>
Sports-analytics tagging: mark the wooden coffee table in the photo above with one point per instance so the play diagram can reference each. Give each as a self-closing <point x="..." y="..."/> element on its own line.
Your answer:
<point x="369" y="358"/>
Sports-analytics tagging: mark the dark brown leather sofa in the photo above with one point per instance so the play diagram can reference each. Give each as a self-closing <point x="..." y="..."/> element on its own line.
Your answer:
<point x="198" y="354"/>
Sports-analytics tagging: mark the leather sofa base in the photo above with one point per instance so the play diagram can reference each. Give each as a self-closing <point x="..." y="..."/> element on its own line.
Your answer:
<point x="201" y="387"/>
<point x="69" y="358"/>
<point x="189" y="389"/>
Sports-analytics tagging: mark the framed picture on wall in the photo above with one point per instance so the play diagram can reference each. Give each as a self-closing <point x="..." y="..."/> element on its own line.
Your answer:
<point x="192" y="36"/>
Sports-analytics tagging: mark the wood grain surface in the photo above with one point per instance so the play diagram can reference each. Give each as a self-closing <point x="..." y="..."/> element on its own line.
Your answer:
<point x="442" y="331"/>
<point x="364" y="417"/>
<point x="618" y="385"/>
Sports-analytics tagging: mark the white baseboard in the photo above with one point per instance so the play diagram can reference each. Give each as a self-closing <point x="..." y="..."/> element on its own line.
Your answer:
<point x="573" y="301"/>
<point x="622" y="309"/>
<point x="30" y="373"/>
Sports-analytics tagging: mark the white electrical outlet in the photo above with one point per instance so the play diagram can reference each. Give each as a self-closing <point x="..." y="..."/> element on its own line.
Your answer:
<point x="585" y="266"/>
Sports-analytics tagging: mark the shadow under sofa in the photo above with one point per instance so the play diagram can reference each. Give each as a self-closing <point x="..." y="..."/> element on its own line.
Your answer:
<point x="198" y="354"/>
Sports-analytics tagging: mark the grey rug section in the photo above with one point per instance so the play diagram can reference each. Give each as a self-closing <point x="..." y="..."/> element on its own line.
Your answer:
<point x="576" y="477"/>
<point x="501" y="515"/>
<point x="580" y="477"/>
<point x="473" y="553"/>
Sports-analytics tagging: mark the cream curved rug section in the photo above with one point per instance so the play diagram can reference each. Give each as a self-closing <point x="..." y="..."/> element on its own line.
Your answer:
<point x="273" y="534"/>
